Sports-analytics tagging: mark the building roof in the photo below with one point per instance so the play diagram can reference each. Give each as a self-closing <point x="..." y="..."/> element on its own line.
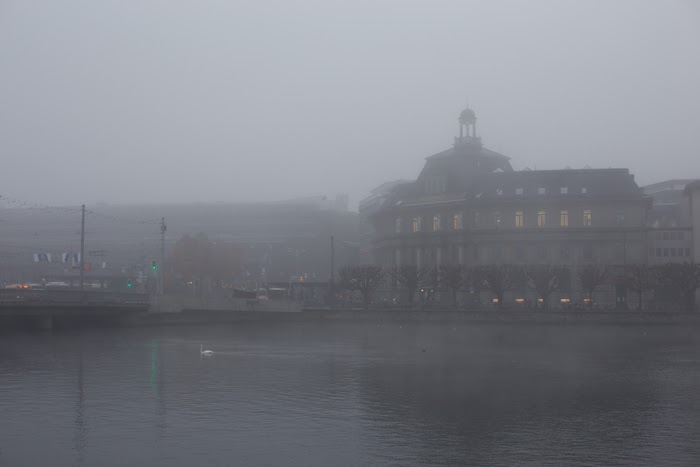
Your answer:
<point x="692" y="186"/>
<point x="589" y="182"/>
<point x="676" y="184"/>
<point x="468" y="150"/>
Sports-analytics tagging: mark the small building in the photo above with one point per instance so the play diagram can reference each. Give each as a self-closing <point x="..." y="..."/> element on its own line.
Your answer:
<point x="670" y="234"/>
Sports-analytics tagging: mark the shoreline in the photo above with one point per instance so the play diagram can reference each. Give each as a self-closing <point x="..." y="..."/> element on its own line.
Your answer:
<point x="203" y="317"/>
<point x="209" y="317"/>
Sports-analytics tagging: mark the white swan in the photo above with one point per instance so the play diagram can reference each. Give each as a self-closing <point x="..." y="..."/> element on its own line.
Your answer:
<point x="205" y="352"/>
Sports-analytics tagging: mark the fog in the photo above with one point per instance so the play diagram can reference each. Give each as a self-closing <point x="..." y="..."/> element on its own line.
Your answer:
<point x="180" y="101"/>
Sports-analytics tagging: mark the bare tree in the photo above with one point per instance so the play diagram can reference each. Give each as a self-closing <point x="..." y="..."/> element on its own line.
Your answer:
<point x="451" y="276"/>
<point x="640" y="278"/>
<point x="592" y="276"/>
<point x="685" y="277"/>
<point x="410" y="277"/>
<point x="196" y="258"/>
<point x="544" y="279"/>
<point x="365" y="279"/>
<point x="500" y="278"/>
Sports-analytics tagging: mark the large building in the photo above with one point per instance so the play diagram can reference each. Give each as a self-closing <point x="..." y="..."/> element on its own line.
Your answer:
<point x="468" y="206"/>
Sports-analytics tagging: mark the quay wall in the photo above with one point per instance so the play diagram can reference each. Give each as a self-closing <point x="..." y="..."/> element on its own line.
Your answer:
<point x="194" y="317"/>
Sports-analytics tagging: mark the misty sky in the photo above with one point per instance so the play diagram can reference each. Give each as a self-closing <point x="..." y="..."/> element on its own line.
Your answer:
<point x="176" y="101"/>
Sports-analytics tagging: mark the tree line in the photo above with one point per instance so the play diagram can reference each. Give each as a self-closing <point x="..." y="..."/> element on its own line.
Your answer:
<point x="542" y="279"/>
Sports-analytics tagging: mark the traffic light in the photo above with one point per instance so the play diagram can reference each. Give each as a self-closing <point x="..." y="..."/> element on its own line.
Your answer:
<point x="153" y="265"/>
<point x="128" y="283"/>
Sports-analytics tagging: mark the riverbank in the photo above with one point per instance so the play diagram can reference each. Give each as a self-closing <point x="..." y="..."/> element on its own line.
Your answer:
<point x="195" y="317"/>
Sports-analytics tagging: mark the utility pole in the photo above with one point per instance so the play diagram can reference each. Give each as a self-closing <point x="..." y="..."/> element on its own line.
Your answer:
<point x="82" y="250"/>
<point x="163" y="228"/>
<point x="332" y="288"/>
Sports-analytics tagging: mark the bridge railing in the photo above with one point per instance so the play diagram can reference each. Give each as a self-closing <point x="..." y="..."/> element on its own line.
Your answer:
<point x="70" y="297"/>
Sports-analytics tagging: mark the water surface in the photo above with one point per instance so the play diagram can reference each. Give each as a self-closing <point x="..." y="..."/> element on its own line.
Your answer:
<point x="352" y="394"/>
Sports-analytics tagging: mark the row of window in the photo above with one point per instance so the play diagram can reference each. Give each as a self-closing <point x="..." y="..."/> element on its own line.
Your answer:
<point x="669" y="252"/>
<point x="670" y="235"/>
<point x="542" y="252"/>
<point x="497" y="219"/>
<point x="564" y="190"/>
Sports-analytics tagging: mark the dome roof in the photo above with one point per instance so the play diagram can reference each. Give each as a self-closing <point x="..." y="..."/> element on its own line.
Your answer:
<point x="467" y="115"/>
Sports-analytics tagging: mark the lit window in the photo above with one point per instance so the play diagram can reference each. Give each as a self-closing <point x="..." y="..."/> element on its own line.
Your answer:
<point x="436" y="222"/>
<point x="457" y="221"/>
<point x="541" y="217"/>
<point x="619" y="216"/>
<point x="584" y="190"/>
<point x="541" y="190"/>
<point x="397" y="225"/>
<point x="587" y="218"/>
<point x="564" y="218"/>
<point x="499" y="191"/>
<point x="564" y="190"/>
<point x="417" y="224"/>
<point x="497" y="219"/>
<point x="519" y="191"/>
<point x="518" y="218"/>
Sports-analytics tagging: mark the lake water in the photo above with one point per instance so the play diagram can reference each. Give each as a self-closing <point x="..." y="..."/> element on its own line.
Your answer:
<point x="352" y="394"/>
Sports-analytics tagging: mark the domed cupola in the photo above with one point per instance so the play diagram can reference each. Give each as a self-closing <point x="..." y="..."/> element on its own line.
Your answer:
<point x="467" y="116"/>
<point x="467" y="128"/>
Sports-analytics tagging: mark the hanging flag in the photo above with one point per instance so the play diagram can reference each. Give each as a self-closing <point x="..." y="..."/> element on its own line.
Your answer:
<point x="74" y="258"/>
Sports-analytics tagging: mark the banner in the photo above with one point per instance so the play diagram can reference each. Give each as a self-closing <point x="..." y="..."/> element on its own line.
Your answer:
<point x="42" y="257"/>
<point x="72" y="257"/>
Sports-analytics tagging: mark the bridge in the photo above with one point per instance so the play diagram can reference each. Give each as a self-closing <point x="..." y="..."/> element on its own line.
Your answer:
<point x="42" y="305"/>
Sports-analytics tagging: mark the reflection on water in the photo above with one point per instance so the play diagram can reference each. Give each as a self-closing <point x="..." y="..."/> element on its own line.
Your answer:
<point x="80" y="429"/>
<point x="339" y="394"/>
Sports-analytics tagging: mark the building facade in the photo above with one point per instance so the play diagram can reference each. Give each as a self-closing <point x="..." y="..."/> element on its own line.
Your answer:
<point x="469" y="207"/>
<point x="670" y="232"/>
